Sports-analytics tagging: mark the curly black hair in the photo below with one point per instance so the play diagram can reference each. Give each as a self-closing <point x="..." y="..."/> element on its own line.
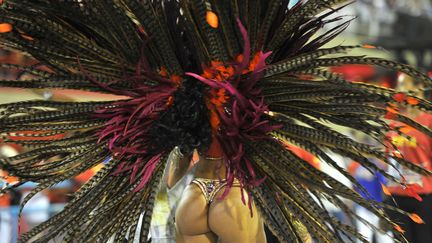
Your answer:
<point x="187" y="122"/>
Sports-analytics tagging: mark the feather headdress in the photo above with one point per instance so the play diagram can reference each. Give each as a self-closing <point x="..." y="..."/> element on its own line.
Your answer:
<point x="259" y="71"/>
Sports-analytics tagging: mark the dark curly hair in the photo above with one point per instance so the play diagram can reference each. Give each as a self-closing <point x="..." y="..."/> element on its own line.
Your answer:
<point x="186" y="123"/>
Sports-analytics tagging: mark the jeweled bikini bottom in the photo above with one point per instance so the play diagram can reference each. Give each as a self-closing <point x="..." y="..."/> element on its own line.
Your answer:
<point x="210" y="187"/>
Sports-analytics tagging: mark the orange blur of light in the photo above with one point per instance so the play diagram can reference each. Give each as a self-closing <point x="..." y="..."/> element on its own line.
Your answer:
<point x="406" y="129"/>
<point x="5" y="27"/>
<point x="27" y="37"/>
<point x="412" y="101"/>
<point x="212" y="19"/>
<point x="9" y="179"/>
<point x="385" y="190"/>
<point x="399" y="229"/>
<point x="369" y="46"/>
<point x="195" y="157"/>
<point x="392" y="110"/>
<point x="176" y="79"/>
<point x="170" y="101"/>
<point x="239" y="58"/>
<point x="414" y="217"/>
<point x="399" y="97"/>
<point x="49" y="137"/>
<point x="163" y="72"/>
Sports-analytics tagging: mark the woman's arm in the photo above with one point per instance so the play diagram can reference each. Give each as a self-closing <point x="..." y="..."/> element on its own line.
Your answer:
<point x="178" y="166"/>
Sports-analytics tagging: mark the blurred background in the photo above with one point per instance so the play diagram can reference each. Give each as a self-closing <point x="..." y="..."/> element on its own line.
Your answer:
<point x="399" y="28"/>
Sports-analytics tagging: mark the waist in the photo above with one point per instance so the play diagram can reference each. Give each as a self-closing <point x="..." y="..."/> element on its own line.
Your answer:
<point x="210" y="169"/>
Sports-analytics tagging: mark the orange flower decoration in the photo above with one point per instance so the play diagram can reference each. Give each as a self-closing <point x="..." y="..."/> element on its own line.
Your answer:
<point x="218" y="97"/>
<point x="175" y="78"/>
<point x="222" y="72"/>
<point x="225" y="71"/>
<point x="214" y="119"/>
<point x="254" y="62"/>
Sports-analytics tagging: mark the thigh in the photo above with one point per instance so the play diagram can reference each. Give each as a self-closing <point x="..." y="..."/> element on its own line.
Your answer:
<point x="231" y="220"/>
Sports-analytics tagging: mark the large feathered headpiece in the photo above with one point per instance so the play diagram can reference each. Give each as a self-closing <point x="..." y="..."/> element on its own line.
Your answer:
<point x="252" y="74"/>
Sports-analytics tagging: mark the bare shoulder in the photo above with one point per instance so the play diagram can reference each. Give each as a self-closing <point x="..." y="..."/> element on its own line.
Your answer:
<point x="192" y="212"/>
<point x="231" y="220"/>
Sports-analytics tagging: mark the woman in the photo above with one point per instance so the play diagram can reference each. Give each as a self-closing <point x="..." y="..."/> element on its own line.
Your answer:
<point x="202" y="205"/>
<point x="201" y="209"/>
